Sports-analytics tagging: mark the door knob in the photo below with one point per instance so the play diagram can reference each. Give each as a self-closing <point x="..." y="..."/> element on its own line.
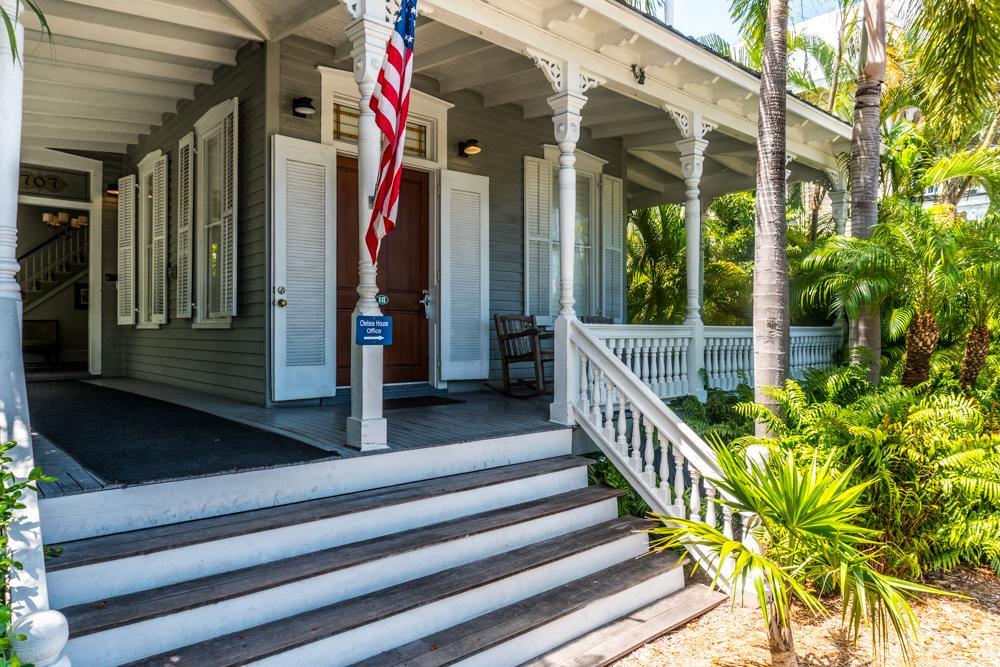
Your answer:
<point x="426" y="300"/>
<point x="281" y="303"/>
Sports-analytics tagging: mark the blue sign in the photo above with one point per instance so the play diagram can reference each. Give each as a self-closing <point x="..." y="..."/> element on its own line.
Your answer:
<point x="373" y="330"/>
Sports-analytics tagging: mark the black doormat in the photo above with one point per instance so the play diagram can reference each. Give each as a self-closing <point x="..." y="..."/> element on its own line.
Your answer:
<point x="417" y="402"/>
<point x="132" y="439"/>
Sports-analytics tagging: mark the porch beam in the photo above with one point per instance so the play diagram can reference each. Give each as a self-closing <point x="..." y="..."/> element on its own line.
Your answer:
<point x="659" y="160"/>
<point x="168" y="12"/>
<point x="484" y="75"/>
<point x="302" y="16"/>
<point x="74" y="145"/>
<point x="52" y="133"/>
<point x="134" y="39"/>
<point x="647" y="176"/>
<point x="737" y="164"/>
<point x="124" y="83"/>
<point x="41" y="53"/>
<point x="58" y="93"/>
<point x="37" y="122"/>
<point x="517" y="95"/>
<point x="614" y="113"/>
<point x="613" y="129"/>
<point x="43" y="632"/>
<point x="41" y="109"/>
<point x="251" y="17"/>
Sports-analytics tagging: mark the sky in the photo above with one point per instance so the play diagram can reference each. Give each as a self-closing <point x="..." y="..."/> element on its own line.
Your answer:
<point x="700" y="17"/>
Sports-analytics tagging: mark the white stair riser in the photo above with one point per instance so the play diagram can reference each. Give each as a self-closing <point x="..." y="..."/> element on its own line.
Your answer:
<point x="374" y="638"/>
<point x="102" y="580"/>
<point x="162" y="634"/>
<point x="118" y="510"/>
<point x="594" y="615"/>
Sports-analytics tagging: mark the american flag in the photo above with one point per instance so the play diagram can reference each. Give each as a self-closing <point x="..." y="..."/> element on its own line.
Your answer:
<point x="391" y="104"/>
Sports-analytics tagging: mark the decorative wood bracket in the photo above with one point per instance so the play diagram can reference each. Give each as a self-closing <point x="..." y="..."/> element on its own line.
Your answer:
<point x="564" y="77"/>
<point x="692" y="124"/>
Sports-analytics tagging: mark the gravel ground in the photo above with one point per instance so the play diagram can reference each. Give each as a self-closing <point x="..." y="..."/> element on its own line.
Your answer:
<point x="952" y="632"/>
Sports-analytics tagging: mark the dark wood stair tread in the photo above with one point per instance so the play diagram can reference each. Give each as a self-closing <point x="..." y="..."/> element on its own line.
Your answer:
<point x="263" y="641"/>
<point x="492" y="629"/>
<point x="160" y="538"/>
<point x="97" y="616"/>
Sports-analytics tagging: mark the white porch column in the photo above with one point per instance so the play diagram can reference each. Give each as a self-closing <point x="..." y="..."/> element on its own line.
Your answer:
<point x="569" y="84"/>
<point x="45" y="630"/>
<point x="693" y="128"/>
<point x="366" y="427"/>
<point x="840" y="200"/>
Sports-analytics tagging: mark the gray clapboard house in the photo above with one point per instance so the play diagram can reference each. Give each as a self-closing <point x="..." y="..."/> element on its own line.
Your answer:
<point x="194" y="184"/>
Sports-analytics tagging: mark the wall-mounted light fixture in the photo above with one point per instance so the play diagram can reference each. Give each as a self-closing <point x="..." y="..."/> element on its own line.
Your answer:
<point x="469" y="147"/>
<point x="639" y="73"/>
<point x="111" y="189"/>
<point x="302" y="107"/>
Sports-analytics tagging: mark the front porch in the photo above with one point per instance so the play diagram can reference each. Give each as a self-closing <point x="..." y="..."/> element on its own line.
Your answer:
<point x="416" y="422"/>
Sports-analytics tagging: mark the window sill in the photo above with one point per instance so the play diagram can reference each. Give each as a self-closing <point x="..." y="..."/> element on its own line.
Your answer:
<point x="147" y="325"/>
<point x="213" y="324"/>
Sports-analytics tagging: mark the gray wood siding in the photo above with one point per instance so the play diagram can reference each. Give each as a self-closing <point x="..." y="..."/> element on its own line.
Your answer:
<point x="227" y="362"/>
<point x="111" y="333"/>
<point x="506" y="138"/>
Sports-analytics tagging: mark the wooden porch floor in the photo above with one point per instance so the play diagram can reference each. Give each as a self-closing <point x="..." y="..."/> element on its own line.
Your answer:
<point x="479" y="415"/>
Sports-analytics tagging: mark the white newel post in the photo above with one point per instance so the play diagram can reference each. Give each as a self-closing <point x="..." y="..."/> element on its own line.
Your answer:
<point x="693" y="128"/>
<point x="569" y="84"/>
<point x="45" y="630"/>
<point x="369" y="32"/>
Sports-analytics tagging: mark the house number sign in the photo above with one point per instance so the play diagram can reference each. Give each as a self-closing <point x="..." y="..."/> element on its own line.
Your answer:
<point x="373" y="330"/>
<point x="57" y="183"/>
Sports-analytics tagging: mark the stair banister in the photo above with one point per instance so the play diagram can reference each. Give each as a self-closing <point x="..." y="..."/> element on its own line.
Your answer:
<point x="610" y="394"/>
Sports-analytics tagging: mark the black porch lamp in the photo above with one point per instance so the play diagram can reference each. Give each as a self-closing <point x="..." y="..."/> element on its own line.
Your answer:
<point x="302" y="107"/>
<point x="469" y="147"/>
<point x="111" y="189"/>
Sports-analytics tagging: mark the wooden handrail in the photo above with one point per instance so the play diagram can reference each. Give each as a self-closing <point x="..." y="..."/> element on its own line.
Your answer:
<point x="52" y="239"/>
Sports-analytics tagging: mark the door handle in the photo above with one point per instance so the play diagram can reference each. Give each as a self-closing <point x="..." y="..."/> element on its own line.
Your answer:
<point x="281" y="303"/>
<point x="426" y="299"/>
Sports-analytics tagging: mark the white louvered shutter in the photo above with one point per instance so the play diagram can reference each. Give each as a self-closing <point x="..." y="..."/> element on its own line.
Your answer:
<point x="613" y="246"/>
<point x="465" y="276"/>
<point x="158" y="238"/>
<point x="126" y="250"/>
<point x="230" y="141"/>
<point x="538" y="236"/>
<point x="185" y="220"/>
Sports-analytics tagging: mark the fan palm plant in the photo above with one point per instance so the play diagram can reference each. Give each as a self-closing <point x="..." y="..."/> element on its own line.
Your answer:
<point x="809" y="528"/>
<point x="908" y="262"/>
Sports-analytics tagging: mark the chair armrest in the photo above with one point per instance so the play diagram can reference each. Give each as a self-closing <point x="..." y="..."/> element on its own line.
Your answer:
<point x="519" y="334"/>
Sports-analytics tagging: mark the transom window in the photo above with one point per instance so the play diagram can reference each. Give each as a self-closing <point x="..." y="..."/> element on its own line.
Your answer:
<point x="345" y="128"/>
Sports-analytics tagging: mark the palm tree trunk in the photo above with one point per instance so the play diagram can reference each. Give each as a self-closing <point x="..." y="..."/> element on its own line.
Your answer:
<point x="780" y="640"/>
<point x="921" y="341"/>
<point x="770" y="277"/>
<point x="977" y="347"/>
<point x="838" y="61"/>
<point x="865" y="167"/>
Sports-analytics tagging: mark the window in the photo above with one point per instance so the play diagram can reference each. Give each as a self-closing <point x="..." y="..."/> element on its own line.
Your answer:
<point x="215" y="218"/>
<point x="151" y="246"/>
<point x="583" y="266"/>
<point x="345" y="128"/>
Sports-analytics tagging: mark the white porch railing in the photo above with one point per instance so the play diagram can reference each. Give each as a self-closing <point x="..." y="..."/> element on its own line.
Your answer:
<point x="662" y="458"/>
<point x="659" y="354"/>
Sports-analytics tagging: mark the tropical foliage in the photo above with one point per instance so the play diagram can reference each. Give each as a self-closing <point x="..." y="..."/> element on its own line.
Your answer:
<point x="809" y="537"/>
<point x="9" y="20"/>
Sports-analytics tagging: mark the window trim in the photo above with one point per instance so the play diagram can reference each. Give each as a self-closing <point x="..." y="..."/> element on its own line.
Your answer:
<point x="211" y="123"/>
<point x="338" y="86"/>
<point x="143" y="237"/>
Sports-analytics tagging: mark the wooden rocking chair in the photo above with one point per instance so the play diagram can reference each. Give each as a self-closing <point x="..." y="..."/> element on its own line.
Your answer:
<point x="520" y="341"/>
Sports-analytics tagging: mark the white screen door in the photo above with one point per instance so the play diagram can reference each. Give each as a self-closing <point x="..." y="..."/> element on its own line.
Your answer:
<point x="304" y="287"/>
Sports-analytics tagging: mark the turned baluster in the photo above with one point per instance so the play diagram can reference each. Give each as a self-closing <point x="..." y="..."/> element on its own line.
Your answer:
<point x="727" y="521"/>
<point x="671" y="389"/>
<point x="684" y="365"/>
<point x="635" y="461"/>
<point x="622" y="425"/>
<point x="647" y="362"/>
<point x="629" y="356"/>
<point x="748" y="539"/>
<point x="583" y="403"/>
<point x="664" y="486"/>
<point x="710" y="517"/>
<point x="679" y="481"/>
<point x="661" y="388"/>
<point x="695" y="494"/>
<point x="648" y="456"/>
<point x="595" y="396"/>
<point x="609" y="410"/>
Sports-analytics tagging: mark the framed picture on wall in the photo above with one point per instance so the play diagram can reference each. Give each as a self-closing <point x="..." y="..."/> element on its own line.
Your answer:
<point x="81" y="296"/>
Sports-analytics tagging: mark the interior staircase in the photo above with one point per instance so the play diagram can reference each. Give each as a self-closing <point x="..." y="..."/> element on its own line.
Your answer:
<point x="52" y="266"/>
<point x="483" y="562"/>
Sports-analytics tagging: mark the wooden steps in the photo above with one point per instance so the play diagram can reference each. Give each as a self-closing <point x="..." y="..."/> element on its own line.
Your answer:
<point x="437" y="596"/>
<point x="98" y="616"/>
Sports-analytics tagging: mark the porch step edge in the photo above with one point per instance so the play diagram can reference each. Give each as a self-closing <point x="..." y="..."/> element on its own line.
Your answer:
<point x="144" y="541"/>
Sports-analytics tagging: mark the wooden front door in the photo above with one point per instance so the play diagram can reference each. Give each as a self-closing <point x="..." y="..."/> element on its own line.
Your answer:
<point x="403" y="275"/>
